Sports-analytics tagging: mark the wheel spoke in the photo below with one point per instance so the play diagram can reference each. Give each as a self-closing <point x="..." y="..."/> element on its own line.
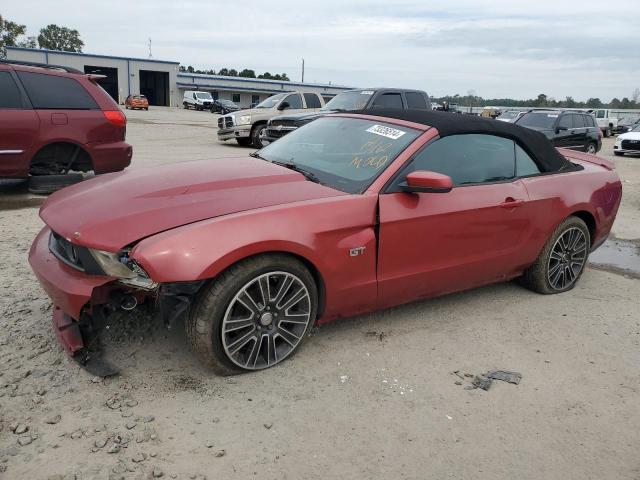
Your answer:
<point x="266" y="320"/>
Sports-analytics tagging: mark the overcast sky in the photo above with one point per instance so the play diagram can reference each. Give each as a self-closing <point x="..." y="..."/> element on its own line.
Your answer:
<point x="516" y="48"/>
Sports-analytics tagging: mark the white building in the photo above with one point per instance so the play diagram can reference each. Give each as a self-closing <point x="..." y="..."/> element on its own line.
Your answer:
<point x="161" y="81"/>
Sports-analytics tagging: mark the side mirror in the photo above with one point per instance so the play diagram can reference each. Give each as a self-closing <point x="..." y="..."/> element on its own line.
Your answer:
<point x="423" y="181"/>
<point x="283" y="105"/>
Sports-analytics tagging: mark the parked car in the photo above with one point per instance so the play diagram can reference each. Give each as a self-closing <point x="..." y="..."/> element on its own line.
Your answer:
<point x="223" y="106"/>
<point x="626" y="124"/>
<point x="568" y="129"/>
<point x="628" y="142"/>
<point x="510" y="115"/>
<point x="57" y="122"/>
<point x="197" y="100"/>
<point x="606" y="120"/>
<point x="247" y="126"/>
<point x="136" y="101"/>
<point x="348" y="214"/>
<point x="363" y="99"/>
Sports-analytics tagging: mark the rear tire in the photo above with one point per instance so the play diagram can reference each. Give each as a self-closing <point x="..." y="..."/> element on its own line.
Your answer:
<point x="562" y="260"/>
<point x="607" y="132"/>
<point x="215" y="328"/>
<point x="618" y="154"/>
<point x="592" y="148"/>
<point x="46" y="184"/>
<point x="185" y="105"/>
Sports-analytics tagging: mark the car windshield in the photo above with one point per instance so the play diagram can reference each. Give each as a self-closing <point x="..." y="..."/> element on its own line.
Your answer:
<point x="347" y="154"/>
<point x="636" y="128"/>
<point x="271" y="101"/>
<point x="204" y="95"/>
<point x="510" y="114"/>
<point x="538" y="120"/>
<point x="349" y="100"/>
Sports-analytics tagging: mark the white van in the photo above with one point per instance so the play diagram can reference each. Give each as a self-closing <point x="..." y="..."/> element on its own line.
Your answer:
<point x="197" y="100"/>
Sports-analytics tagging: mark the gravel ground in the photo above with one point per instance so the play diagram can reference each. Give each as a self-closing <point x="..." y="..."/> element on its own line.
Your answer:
<point x="376" y="396"/>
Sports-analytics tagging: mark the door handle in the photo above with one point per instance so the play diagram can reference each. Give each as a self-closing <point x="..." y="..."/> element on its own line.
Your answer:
<point x="511" y="202"/>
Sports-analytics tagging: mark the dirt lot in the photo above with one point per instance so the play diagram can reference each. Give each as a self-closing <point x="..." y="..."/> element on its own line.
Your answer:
<point x="369" y="397"/>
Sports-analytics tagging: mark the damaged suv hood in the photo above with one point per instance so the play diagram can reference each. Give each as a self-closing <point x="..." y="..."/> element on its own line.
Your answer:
<point x="112" y="211"/>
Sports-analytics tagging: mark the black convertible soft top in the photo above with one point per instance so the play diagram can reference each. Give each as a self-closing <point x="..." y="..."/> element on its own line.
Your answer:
<point x="533" y="142"/>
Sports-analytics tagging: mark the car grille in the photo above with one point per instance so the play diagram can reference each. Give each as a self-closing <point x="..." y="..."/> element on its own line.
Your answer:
<point x="283" y="123"/>
<point x="73" y="255"/>
<point x="630" y="145"/>
<point x="225" y="122"/>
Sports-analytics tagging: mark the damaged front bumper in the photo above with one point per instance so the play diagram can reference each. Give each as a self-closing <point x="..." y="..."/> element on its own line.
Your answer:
<point x="82" y="302"/>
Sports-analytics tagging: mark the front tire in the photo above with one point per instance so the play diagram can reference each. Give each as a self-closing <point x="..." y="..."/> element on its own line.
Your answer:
<point x="244" y="142"/>
<point x="256" y="135"/>
<point x="591" y="148"/>
<point x="254" y="315"/>
<point x="607" y="132"/>
<point x="562" y="260"/>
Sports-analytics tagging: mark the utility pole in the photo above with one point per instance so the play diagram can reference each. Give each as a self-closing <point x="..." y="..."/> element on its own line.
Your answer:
<point x="303" y="70"/>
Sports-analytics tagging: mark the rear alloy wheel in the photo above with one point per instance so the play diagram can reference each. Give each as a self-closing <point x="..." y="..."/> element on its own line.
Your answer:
<point x="591" y="148"/>
<point x="255" y="315"/>
<point x="562" y="260"/>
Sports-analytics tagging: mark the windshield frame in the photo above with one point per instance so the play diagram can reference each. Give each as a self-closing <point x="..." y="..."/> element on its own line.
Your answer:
<point x="333" y="179"/>
<point x="327" y="106"/>
<point x="277" y="98"/>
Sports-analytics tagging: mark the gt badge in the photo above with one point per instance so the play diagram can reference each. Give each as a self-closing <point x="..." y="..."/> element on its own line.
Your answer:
<point x="354" y="252"/>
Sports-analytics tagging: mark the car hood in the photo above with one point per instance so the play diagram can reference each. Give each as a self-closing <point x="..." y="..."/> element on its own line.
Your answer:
<point x="112" y="211"/>
<point x="304" y="116"/>
<point x="629" y="136"/>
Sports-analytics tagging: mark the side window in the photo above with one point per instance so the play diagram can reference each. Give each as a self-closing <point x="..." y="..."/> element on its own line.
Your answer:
<point x="565" y="121"/>
<point x="9" y="94"/>
<point x="312" y="100"/>
<point x="52" y="92"/>
<point x="600" y="114"/>
<point x="524" y="165"/>
<point x="578" y="121"/>
<point x="391" y="100"/>
<point x="591" y="122"/>
<point x="467" y="159"/>
<point x="415" y="100"/>
<point x="294" y="101"/>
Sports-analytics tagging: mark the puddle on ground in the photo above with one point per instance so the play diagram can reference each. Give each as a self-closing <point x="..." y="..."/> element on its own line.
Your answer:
<point x="618" y="256"/>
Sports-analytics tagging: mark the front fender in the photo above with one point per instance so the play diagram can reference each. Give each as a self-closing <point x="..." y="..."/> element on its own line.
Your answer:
<point x="323" y="232"/>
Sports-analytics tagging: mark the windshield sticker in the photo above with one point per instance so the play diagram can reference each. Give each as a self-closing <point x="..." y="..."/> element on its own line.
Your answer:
<point x="392" y="133"/>
<point x="366" y="92"/>
<point x="552" y="116"/>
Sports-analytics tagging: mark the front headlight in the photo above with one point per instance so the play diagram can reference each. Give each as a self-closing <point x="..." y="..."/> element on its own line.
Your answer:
<point x="120" y="266"/>
<point x="244" y="120"/>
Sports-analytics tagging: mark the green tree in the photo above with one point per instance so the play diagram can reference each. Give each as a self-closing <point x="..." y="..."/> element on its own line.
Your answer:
<point x="53" y="37"/>
<point x="541" y="101"/>
<point x="233" y="72"/>
<point x="266" y="76"/>
<point x="246" y="73"/>
<point x="594" y="103"/>
<point x="224" y="72"/>
<point x="569" y="102"/>
<point x="615" y="103"/>
<point x="9" y="33"/>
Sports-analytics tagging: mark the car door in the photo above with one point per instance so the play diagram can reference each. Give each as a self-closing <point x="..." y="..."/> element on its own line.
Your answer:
<point x="562" y="136"/>
<point x="312" y="102"/>
<point x="295" y="103"/>
<point x="436" y="243"/>
<point x="19" y="127"/>
<point x="579" y="133"/>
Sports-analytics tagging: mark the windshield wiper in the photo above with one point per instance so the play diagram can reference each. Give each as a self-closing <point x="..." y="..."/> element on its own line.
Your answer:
<point x="297" y="168"/>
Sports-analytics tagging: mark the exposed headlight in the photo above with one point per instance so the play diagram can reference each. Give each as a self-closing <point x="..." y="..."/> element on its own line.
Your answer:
<point x="243" y="120"/>
<point x="120" y="266"/>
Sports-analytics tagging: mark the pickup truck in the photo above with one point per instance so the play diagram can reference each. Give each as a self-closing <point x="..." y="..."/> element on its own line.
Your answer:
<point x="248" y="126"/>
<point x="605" y="120"/>
<point x="361" y="99"/>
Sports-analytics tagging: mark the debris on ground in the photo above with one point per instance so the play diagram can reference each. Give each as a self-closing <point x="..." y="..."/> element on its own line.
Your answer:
<point x="484" y="380"/>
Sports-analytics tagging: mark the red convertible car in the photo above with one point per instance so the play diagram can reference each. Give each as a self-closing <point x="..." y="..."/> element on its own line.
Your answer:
<point x="348" y="214"/>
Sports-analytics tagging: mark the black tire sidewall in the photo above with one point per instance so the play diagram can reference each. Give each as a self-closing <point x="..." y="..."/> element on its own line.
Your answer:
<point x="214" y="300"/>
<point x="255" y="135"/>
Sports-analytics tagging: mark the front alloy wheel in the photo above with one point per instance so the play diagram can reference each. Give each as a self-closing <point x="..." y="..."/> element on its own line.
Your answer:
<point x="266" y="320"/>
<point x="254" y="315"/>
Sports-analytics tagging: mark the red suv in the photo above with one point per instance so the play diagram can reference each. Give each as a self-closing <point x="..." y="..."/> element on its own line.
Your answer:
<point x="56" y="122"/>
